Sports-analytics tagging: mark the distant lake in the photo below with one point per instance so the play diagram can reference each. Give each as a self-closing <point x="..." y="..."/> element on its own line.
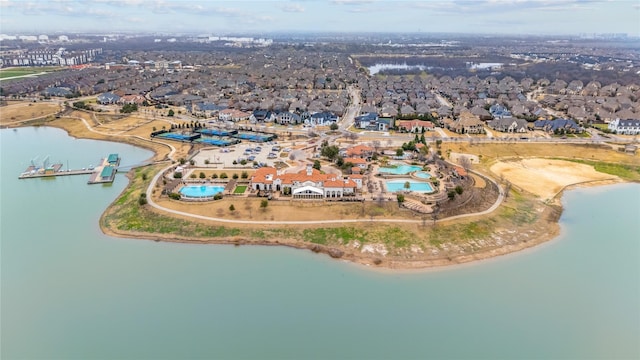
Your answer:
<point x="70" y="292"/>
<point x="380" y="67"/>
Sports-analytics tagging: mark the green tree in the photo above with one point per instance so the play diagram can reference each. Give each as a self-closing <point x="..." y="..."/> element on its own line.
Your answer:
<point x="399" y="152"/>
<point x="407" y="185"/>
<point x="330" y="152"/>
<point x="459" y="189"/>
<point x="171" y="113"/>
<point x="316" y="164"/>
<point x="333" y="127"/>
<point x="224" y="175"/>
<point x="235" y="176"/>
<point x="202" y="175"/>
<point x="244" y="175"/>
<point x="232" y="208"/>
<point x="400" y="198"/>
<point x="264" y="203"/>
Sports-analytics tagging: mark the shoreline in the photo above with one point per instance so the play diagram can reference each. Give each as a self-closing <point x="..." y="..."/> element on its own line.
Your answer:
<point x="352" y="255"/>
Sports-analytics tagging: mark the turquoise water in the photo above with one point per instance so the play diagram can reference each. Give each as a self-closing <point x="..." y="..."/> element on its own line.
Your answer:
<point x="70" y="292"/>
<point x="400" y="169"/>
<point x="201" y="190"/>
<point x="417" y="186"/>
<point x="422" y="174"/>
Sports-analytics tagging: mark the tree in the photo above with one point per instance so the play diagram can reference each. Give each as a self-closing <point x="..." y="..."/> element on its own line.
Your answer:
<point x="235" y="176"/>
<point x="224" y="175"/>
<point x="263" y="204"/>
<point x="316" y="164"/>
<point x="399" y="152"/>
<point x="330" y="152"/>
<point x="465" y="162"/>
<point x="232" y="208"/>
<point x="451" y="194"/>
<point x="202" y="175"/>
<point x="458" y="189"/>
<point x="333" y="127"/>
<point x="400" y="198"/>
<point x="376" y="146"/>
<point x="171" y="112"/>
<point x="407" y="185"/>
<point x="244" y="175"/>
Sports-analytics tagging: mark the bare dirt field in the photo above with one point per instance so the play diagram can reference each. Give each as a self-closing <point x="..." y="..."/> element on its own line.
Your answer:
<point x="546" y="177"/>
<point x="25" y="111"/>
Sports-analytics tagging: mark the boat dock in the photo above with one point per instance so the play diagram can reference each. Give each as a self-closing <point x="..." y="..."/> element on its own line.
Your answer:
<point x="101" y="174"/>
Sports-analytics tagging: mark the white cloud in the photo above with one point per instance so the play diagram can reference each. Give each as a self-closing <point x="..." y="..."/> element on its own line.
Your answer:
<point x="292" y="8"/>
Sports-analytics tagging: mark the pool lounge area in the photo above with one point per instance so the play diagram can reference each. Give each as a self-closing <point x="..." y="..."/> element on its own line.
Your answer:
<point x="417" y="186"/>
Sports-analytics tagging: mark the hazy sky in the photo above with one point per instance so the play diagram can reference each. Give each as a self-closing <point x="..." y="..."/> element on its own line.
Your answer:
<point x="215" y="17"/>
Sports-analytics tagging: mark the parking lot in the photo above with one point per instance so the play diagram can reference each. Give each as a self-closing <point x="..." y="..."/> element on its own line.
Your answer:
<point x="265" y="154"/>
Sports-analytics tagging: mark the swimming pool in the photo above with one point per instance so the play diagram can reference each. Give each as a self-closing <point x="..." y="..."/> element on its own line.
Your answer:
<point x="400" y="169"/>
<point x="422" y="174"/>
<point x="417" y="186"/>
<point x="196" y="191"/>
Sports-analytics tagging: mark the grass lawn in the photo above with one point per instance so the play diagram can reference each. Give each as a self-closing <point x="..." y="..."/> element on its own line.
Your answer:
<point x="5" y="73"/>
<point x="240" y="189"/>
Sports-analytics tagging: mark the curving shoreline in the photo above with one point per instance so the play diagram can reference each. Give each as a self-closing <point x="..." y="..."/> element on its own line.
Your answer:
<point x="354" y="255"/>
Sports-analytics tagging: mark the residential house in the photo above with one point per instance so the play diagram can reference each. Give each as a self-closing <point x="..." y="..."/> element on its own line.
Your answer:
<point x="206" y="109"/>
<point x="107" y="98"/>
<point x="414" y="126"/>
<point x="132" y="99"/>
<point x="358" y="162"/>
<point x="359" y="151"/>
<point x="364" y="121"/>
<point x="466" y="123"/>
<point x="509" y="125"/>
<point x="625" y="126"/>
<point x="262" y="115"/>
<point x="323" y="118"/>
<point x="557" y="126"/>
<point x="288" y="118"/>
<point x="233" y="115"/>
<point x="499" y="112"/>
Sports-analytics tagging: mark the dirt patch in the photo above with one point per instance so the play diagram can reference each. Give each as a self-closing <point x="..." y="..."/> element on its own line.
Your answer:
<point x="544" y="177"/>
<point x="25" y="111"/>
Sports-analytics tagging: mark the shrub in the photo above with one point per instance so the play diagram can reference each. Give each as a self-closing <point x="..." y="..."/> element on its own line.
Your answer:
<point x="264" y="203"/>
<point x="193" y="176"/>
<point x="244" y="175"/>
<point x="202" y="175"/>
<point x="451" y="194"/>
<point x="232" y="208"/>
<point x="217" y="196"/>
<point x="224" y="176"/>
<point x="400" y="198"/>
<point x="459" y="189"/>
<point x="235" y="176"/>
<point x="174" y="196"/>
<point x="177" y="175"/>
<point x="214" y="176"/>
<point x="206" y="161"/>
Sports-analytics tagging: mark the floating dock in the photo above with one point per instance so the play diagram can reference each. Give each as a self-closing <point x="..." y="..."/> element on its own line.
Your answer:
<point x="101" y="174"/>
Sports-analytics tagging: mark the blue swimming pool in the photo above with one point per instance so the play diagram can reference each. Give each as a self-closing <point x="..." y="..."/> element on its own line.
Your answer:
<point x="417" y="186"/>
<point x="422" y="174"/>
<point x="400" y="169"/>
<point x="197" y="191"/>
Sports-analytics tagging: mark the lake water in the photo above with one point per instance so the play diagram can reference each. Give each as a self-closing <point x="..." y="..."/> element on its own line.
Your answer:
<point x="70" y="292"/>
